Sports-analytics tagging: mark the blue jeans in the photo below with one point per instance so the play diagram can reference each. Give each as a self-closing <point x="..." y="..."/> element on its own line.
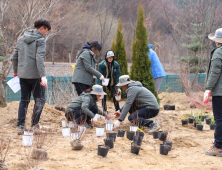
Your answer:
<point x="217" y="111"/>
<point x="139" y="116"/>
<point x="29" y="86"/>
<point x="112" y="90"/>
<point x="79" y="116"/>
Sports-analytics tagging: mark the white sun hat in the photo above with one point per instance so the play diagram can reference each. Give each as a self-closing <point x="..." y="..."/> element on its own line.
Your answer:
<point x="124" y="80"/>
<point x="97" y="90"/>
<point x="217" y="36"/>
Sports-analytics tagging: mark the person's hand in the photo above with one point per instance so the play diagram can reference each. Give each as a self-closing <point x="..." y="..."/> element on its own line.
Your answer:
<point x="44" y="81"/>
<point x="107" y="117"/>
<point x="206" y="96"/>
<point x="116" y="124"/>
<point x="118" y="91"/>
<point x="117" y="114"/>
<point x="15" y="75"/>
<point x="94" y="120"/>
<point x="102" y="78"/>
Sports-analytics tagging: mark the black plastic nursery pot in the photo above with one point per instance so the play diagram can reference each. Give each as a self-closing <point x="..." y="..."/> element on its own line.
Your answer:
<point x="199" y="127"/>
<point x="208" y="121"/>
<point x="163" y="136"/>
<point x="166" y="107"/>
<point x="172" y="107"/>
<point x="109" y="142"/>
<point x="138" y="133"/>
<point x="190" y="120"/>
<point x="212" y="126"/>
<point x="156" y="135"/>
<point x="111" y="135"/>
<point x="164" y="149"/>
<point x="138" y="140"/>
<point x="168" y="143"/>
<point x="195" y="124"/>
<point x="130" y="134"/>
<point x="135" y="148"/>
<point x="120" y="133"/>
<point x="201" y="118"/>
<point x="103" y="150"/>
<point x="184" y="122"/>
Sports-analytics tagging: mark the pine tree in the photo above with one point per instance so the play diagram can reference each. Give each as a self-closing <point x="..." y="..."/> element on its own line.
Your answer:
<point x="141" y="64"/>
<point x="120" y="52"/>
<point x="113" y="47"/>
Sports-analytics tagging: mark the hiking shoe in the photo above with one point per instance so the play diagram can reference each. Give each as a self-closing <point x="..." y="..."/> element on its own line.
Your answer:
<point x="213" y="151"/>
<point x="89" y="125"/>
<point x="154" y="127"/>
<point x="20" y="130"/>
<point x="36" y="129"/>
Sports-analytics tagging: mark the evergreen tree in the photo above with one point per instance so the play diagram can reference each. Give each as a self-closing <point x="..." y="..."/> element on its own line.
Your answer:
<point x="141" y="64"/>
<point x="113" y="47"/>
<point x="120" y="52"/>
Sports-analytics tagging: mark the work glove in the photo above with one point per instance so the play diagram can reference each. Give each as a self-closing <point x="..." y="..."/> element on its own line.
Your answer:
<point x="44" y="81"/>
<point x="117" y="114"/>
<point x="206" y="96"/>
<point x="94" y="120"/>
<point x="118" y="91"/>
<point x="116" y="124"/>
<point x="15" y="75"/>
<point x="102" y="78"/>
<point x="107" y="117"/>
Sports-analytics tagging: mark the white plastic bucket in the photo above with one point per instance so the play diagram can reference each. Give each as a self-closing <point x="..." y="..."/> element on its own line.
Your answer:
<point x="106" y="82"/>
<point x="27" y="140"/>
<point x="71" y="124"/>
<point x="64" y="123"/>
<point x="118" y="97"/>
<point x="81" y="129"/>
<point x="133" y="128"/>
<point x="75" y="135"/>
<point x="29" y="132"/>
<point x="109" y="127"/>
<point x="66" y="132"/>
<point x="100" y="131"/>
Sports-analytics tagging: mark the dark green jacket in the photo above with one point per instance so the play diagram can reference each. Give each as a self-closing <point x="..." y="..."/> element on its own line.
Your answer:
<point x="85" y="68"/>
<point x="84" y="102"/>
<point x="142" y="97"/>
<point x="214" y="76"/>
<point x="115" y="74"/>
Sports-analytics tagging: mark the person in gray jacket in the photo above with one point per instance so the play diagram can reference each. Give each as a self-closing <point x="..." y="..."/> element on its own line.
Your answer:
<point x="83" y="108"/>
<point x="140" y="103"/>
<point x="28" y="65"/>
<point x="85" y="67"/>
<point x="214" y="87"/>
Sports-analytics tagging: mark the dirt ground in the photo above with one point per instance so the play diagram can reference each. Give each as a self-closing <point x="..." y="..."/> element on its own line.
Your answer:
<point x="187" y="151"/>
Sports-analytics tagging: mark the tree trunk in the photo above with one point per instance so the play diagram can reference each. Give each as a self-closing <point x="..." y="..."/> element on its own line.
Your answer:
<point x="3" y="89"/>
<point x="53" y="49"/>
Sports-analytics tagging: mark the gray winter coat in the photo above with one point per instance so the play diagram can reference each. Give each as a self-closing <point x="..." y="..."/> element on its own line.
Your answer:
<point x="28" y="57"/>
<point x="85" y="68"/>
<point x="84" y="102"/>
<point x="214" y="75"/>
<point x="142" y="97"/>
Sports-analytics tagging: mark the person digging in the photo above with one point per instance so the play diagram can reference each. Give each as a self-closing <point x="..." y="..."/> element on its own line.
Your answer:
<point x="140" y="103"/>
<point x="84" y="108"/>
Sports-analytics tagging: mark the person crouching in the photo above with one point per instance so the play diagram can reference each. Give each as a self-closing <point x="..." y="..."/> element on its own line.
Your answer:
<point x="140" y="103"/>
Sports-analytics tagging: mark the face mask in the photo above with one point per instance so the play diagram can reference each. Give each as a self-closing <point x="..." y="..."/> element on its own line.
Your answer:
<point x="101" y="97"/>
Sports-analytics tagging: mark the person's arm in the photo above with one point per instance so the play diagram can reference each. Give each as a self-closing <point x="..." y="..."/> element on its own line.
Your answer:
<point x="15" y="60"/>
<point x="87" y="64"/>
<point x="40" y="54"/>
<point x="98" y="81"/>
<point x="131" y="95"/>
<point x="85" y="107"/>
<point x="214" y="74"/>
